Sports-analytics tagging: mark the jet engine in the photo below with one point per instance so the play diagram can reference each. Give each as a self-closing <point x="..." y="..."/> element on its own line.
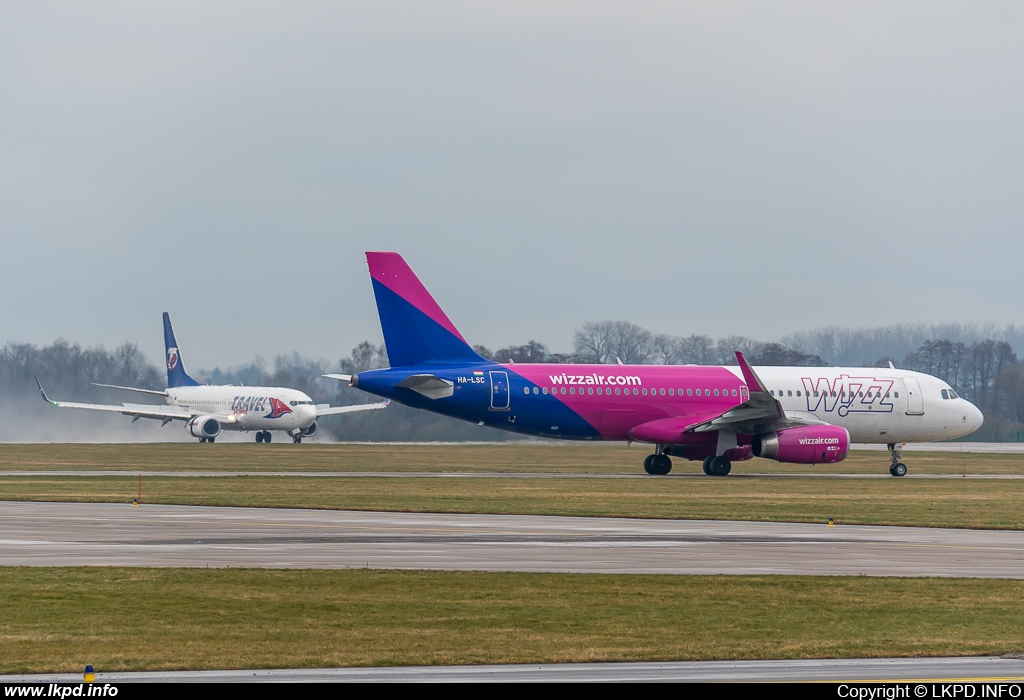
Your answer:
<point x="812" y="444"/>
<point x="204" y="427"/>
<point x="310" y="431"/>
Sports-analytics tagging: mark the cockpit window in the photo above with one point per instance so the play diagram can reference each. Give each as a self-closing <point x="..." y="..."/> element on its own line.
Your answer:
<point x="945" y="394"/>
<point x="953" y="394"/>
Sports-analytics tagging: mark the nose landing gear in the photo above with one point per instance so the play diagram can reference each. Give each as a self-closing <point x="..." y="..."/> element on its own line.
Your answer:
<point x="898" y="468"/>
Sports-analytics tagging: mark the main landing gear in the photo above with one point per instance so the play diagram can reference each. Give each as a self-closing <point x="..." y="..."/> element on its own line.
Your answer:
<point x="263" y="436"/>
<point x="717" y="466"/>
<point x="898" y="468"/>
<point x="296" y="439"/>
<point x="657" y="463"/>
<point x="207" y="439"/>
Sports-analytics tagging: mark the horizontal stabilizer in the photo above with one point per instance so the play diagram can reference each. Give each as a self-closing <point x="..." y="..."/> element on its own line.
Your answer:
<point x="428" y="385"/>
<point x="323" y="409"/>
<point x="131" y="388"/>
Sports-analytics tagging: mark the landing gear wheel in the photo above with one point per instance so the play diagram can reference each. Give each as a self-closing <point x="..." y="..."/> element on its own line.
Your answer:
<point x="657" y="464"/>
<point x="259" y="436"/>
<point x="202" y="439"/>
<point x="720" y="466"/>
<point x="898" y="468"/>
<point x="210" y="439"/>
<point x="297" y="439"/>
<point x="266" y="436"/>
<point x="707" y="465"/>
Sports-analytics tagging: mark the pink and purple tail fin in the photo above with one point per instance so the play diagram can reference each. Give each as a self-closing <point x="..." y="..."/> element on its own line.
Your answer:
<point x="416" y="330"/>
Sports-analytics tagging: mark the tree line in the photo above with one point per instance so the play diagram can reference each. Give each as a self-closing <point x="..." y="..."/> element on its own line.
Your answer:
<point x="984" y="370"/>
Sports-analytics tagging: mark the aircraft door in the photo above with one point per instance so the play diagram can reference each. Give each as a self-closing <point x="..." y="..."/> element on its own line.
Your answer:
<point x="915" y="400"/>
<point x="499" y="391"/>
<point x="744" y="394"/>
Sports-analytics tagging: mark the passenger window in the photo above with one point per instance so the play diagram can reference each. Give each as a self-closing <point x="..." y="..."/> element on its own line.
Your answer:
<point x="773" y="392"/>
<point x="689" y="392"/>
<point x="716" y="392"/>
<point x="635" y="391"/>
<point x="733" y="392"/>
<point x="671" y="392"/>
<point x="536" y="390"/>
<point x="572" y="390"/>
<point x="544" y="390"/>
<point x="789" y="393"/>
<point x="661" y="392"/>
<point x="798" y="392"/>
<point x="815" y="393"/>
<point x="896" y="395"/>
<point x="616" y="392"/>
<point x="563" y="389"/>
<point x="590" y="390"/>
<point x="526" y="390"/>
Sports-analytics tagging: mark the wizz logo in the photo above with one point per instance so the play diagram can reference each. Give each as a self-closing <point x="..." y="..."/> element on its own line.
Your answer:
<point x="845" y="394"/>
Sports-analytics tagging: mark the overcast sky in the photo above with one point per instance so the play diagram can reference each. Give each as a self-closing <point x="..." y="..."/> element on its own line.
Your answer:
<point x="752" y="168"/>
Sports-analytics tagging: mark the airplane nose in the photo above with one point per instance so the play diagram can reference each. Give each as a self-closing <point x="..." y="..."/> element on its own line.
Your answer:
<point x="974" y="416"/>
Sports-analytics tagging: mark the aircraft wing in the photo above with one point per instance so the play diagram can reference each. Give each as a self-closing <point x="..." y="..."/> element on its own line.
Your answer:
<point x="761" y="413"/>
<point x="328" y="410"/>
<point x="137" y="410"/>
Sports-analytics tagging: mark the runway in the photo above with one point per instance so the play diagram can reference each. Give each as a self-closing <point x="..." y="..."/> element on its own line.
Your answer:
<point x="983" y="669"/>
<point x="485" y="475"/>
<point x="86" y="534"/>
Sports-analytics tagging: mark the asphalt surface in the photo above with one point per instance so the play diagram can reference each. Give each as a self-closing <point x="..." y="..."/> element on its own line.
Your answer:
<point x="986" y="669"/>
<point x="77" y="534"/>
<point x="487" y="475"/>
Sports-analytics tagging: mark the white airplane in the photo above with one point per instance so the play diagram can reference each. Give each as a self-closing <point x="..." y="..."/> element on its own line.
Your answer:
<point x="208" y="410"/>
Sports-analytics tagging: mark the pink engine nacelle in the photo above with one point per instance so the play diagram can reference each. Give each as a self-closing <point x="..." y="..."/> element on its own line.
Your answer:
<point x="813" y="444"/>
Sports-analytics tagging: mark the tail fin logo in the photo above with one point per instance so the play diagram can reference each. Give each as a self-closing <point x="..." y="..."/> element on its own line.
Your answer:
<point x="172" y="358"/>
<point x="277" y="408"/>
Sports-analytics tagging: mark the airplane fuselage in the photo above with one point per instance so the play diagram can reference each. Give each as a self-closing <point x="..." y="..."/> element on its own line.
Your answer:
<point x="248" y="408"/>
<point x="609" y="402"/>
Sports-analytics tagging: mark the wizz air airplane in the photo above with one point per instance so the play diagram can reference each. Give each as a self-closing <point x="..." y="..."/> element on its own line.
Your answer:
<point x="714" y="415"/>
<point x="208" y="410"/>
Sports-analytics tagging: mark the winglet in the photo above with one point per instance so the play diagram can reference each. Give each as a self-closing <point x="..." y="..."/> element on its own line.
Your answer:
<point x="43" y="393"/>
<point x="751" y="379"/>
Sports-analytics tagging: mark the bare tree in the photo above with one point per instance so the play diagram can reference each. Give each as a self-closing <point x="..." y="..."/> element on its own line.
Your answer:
<point x="607" y="341"/>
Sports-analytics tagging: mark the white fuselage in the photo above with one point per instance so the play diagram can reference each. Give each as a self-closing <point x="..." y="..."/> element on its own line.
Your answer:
<point x="876" y="405"/>
<point x="248" y="407"/>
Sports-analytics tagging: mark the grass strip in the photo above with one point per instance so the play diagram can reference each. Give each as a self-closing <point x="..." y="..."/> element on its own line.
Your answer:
<point x="527" y="457"/>
<point x="121" y="619"/>
<point x="936" y="503"/>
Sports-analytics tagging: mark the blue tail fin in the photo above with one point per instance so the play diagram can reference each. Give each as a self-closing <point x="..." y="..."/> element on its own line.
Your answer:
<point x="416" y="330"/>
<point x="176" y="375"/>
